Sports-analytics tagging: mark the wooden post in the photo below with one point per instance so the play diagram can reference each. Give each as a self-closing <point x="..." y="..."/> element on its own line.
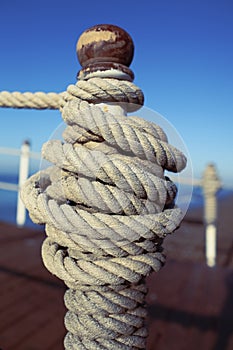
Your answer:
<point x="210" y="184"/>
<point x="23" y="175"/>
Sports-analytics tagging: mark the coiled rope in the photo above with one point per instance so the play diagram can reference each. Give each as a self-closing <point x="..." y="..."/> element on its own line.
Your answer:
<point x="107" y="207"/>
<point x="105" y="202"/>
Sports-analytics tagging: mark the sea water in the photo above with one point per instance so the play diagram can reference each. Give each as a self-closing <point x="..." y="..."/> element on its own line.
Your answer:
<point x="8" y="200"/>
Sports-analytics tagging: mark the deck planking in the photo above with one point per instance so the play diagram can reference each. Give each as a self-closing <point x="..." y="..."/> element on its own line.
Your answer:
<point x="190" y="306"/>
<point x="31" y="299"/>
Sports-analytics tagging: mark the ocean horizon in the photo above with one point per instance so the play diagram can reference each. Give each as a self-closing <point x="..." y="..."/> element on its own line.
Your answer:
<point x="8" y="200"/>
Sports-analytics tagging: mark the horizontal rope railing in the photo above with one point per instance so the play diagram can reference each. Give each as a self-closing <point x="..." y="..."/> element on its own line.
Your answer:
<point x="36" y="100"/>
<point x="17" y="152"/>
<point x="8" y="186"/>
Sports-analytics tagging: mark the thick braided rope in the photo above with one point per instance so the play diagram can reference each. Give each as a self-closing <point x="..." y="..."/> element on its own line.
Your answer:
<point x="94" y="90"/>
<point x="107" y="207"/>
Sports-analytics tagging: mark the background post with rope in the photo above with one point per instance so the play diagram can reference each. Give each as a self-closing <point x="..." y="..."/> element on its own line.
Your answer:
<point x="106" y="203"/>
<point x="211" y="184"/>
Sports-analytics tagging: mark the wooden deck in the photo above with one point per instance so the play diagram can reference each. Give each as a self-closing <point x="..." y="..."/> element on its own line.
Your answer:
<point x="31" y="299"/>
<point x="190" y="305"/>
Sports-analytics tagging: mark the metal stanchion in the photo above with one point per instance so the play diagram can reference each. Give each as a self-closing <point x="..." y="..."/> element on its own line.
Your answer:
<point x="23" y="175"/>
<point x="210" y="184"/>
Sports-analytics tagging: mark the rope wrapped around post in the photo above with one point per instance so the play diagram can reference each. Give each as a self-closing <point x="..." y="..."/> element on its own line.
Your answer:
<point x="106" y="203"/>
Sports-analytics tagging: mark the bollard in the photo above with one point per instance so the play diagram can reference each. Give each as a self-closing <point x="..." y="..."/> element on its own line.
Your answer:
<point x="210" y="184"/>
<point x="23" y="175"/>
<point x="106" y="202"/>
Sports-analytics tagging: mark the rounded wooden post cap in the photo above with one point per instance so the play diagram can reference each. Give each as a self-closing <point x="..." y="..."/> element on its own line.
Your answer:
<point x="105" y="50"/>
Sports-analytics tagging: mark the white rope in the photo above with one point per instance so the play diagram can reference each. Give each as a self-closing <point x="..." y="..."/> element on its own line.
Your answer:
<point x="107" y="207"/>
<point x="37" y="100"/>
<point x="94" y="90"/>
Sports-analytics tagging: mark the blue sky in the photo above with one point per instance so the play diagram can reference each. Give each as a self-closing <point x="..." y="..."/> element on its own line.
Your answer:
<point x="183" y="63"/>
